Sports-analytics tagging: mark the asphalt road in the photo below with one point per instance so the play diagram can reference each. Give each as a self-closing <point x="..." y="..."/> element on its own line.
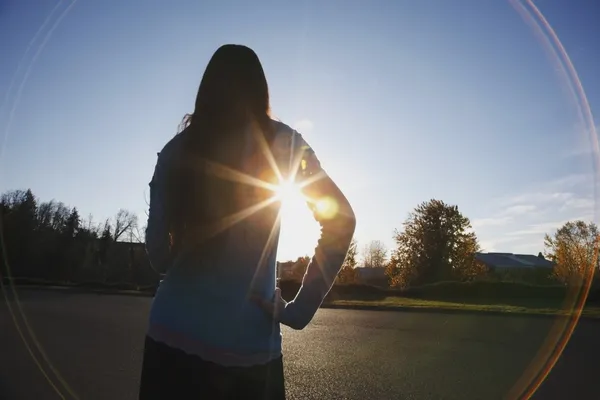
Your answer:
<point x="95" y="343"/>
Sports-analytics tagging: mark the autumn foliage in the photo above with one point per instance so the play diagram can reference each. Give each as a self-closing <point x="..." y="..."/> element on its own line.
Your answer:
<point x="574" y="250"/>
<point x="437" y="244"/>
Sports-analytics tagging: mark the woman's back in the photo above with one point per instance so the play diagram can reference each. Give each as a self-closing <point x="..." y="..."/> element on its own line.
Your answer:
<point x="202" y="306"/>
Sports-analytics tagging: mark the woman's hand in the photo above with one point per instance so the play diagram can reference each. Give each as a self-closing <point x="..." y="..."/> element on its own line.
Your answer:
<point x="273" y="307"/>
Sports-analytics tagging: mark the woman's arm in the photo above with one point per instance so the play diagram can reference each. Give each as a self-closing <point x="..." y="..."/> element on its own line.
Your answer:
<point x="157" y="232"/>
<point x="336" y="217"/>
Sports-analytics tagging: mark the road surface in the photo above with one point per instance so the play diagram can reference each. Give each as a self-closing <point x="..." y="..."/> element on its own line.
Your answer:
<point x="95" y="343"/>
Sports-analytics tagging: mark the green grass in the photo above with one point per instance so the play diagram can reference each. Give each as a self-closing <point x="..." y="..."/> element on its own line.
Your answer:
<point x="535" y="307"/>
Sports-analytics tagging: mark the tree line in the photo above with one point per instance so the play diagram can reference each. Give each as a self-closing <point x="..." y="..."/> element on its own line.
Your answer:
<point x="437" y="243"/>
<point x="49" y="240"/>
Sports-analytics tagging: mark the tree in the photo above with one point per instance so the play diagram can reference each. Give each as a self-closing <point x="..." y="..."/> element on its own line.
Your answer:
<point x="574" y="250"/>
<point x="124" y="221"/>
<point x="72" y="224"/>
<point x="437" y="244"/>
<point x="139" y="234"/>
<point x="348" y="273"/>
<point x="66" y="255"/>
<point x="374" y="254"/>
<point x="299" y="268"/>
<point x="18" y="224"/>
<point x="45" y="214"/>
<point x="60" y="216"/>
<point x="105" y="241"/>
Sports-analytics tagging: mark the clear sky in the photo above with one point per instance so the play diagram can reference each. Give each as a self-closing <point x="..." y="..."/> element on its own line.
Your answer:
<point x="403" y="101"/>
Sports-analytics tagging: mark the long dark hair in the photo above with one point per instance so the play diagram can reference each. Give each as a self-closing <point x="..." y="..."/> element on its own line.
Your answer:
<point x="233" y="97"/>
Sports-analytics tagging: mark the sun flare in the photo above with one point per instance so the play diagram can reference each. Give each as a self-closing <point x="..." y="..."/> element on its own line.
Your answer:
<point x="300" y="231"/>
<point x="288" y="191"/>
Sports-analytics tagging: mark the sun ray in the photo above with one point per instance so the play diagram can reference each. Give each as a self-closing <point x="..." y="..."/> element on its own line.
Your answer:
<point x="231" y="174"/>
<point x="295" y="161"/>
<point x="264" y="146"/>
<point x="265" y="251"/>
<point x="207" y="232"/>
<point x="247" y="212"/>
<point x="311" y="179"/>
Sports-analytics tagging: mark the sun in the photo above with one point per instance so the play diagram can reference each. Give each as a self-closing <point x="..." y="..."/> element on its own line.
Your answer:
<point x="288" y="192"/>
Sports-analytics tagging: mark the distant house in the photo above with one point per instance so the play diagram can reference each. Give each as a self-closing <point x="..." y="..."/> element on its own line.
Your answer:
<point x="509" y="261"/>
<point x="516" y="267"/>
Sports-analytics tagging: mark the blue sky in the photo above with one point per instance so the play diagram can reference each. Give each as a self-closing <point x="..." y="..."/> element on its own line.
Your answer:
<point x="403" y="101"/>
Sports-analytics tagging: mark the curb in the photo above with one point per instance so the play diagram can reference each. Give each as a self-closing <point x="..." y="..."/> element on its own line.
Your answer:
<point x="133" y="293"/>
<point x="432" y="310"/>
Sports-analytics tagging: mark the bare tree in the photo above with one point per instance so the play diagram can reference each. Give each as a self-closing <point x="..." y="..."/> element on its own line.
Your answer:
<point x="45" y="213"/>
<point x="124" y="221"/>
<point x="89" y="225"/>
<point x="139" y="234"/>
<point x="375" y="254"/>
<point x="60" y="215"/>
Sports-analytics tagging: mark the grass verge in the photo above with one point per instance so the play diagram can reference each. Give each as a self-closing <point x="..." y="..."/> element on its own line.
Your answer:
<point x="513" y="305"/>
<point x="395" y="302"/>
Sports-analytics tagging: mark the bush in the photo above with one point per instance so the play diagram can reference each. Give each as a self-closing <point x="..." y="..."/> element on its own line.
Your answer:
<point x="594" y="294"/>
<point x="442" y="291"/>
<point x="538" y="276"/>
<point x="289" y="288"/>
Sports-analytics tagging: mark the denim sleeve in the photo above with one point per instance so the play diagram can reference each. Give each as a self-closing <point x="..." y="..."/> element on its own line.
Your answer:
<point x="157" y="232"/>
<point x="337" y="231"/>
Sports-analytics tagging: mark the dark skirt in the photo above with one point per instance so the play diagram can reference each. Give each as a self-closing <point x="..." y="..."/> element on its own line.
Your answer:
<point x="169" y="373"/>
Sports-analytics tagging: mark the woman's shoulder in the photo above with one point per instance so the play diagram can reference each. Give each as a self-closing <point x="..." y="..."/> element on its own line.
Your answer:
<point x="281" y="127"/>
<point x="171" y="148"/>
<point x="286" y="135"/>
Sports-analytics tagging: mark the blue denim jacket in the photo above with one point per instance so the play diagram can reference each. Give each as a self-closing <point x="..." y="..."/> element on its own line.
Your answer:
<point x="205" y="309"/>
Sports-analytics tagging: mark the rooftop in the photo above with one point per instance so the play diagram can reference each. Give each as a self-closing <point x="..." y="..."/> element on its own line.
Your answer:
<point x="510" y="260"/>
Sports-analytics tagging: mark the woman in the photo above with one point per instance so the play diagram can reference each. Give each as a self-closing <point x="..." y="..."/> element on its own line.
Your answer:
<point x="213" y="227"/>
